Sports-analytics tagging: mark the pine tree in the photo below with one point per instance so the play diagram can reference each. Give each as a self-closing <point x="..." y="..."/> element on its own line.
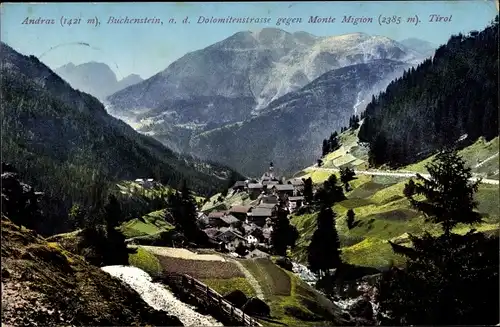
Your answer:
<point x="449" y="195"/>
<point x="324" y="249"/>
<point x="330" y="193"/>
<point x="283" y="234"/>
<point x="449" y="279"/>
<point x="113" y="212"/>
<point x="326" y="148"/>
<point x="350" y="219"/>
<point x="347" y="175"/>
<point x="308" y="190"/>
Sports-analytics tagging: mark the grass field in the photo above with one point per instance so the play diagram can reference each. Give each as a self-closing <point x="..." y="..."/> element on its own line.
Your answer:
<point x="145" y="260"/>
<point x="224" y="286"/>
<point x="292" y="302"/>
<point x="152" y="223"/>
<point x="472" y="155"/>
<point x="382" y="213"/>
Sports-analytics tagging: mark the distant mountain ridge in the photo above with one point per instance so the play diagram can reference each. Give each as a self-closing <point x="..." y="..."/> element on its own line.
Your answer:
<point x="238" y="78"/>
<point x="95" y="78"/>
<point x="63" y="140"/>
<point x="290" y="130"/>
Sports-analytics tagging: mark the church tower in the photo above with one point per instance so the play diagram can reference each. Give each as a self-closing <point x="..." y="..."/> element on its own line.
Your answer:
<point x="271" y="172"/>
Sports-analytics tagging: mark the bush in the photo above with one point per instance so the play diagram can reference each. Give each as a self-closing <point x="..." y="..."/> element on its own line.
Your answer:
<point x="237" y="298"/>
<point x="255" y="306"/>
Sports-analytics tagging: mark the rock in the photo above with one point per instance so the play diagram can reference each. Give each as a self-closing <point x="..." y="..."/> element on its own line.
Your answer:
<point x="362" y="309"/>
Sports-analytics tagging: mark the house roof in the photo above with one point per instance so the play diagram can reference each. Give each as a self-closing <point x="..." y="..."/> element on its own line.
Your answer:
<point x="269" y="182"/>
<point x="229" y="219"/>
<point x="284" y="187"/>
<point x="296" y="198"/>
<point x="296" y="181"/>
<point x="239" y="184"/>
<point x="249" y="227"/>
<point x="230" y="235"/>
<point x="240" y="209"/>
<point x="270" y="199"/>
<point x="261" y="212"/>
<point x="267" y="205"/>
<point x="216" y="214"/>
<point x="254" y="185"/>
<point x="211" y="232"/>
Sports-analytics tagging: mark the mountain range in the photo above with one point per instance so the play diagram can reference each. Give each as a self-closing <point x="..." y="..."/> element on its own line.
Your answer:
<point x="246" y="76"/>
<point x="291" y="129"/>
<point x="95" y="78"/>
<point x="62" y="140"/>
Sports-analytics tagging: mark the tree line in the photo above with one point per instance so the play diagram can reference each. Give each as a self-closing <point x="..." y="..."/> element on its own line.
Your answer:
<point x="413" y="118"/>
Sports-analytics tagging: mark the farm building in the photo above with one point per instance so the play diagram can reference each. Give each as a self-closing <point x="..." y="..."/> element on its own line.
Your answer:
<point x="240" y="212"/>
<point x="258" y="216"/>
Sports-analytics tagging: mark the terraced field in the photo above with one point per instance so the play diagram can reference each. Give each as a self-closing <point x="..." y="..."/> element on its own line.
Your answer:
<point x="382" y="213"/>
<point x="152" y="223"/>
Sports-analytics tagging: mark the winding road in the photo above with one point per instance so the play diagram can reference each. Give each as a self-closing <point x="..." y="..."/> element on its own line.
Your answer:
<point x="405" y="174"/>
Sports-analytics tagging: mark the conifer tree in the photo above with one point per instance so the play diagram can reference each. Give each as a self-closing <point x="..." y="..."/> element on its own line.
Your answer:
<point x="347" y="175"/>
<point x="308" y="190"/>
<point x="283" y="234"/>
<point x="449" y="279"/>
<point x="449" y="195"/>
<point x="350" y="219"/>
<point x="324" y="249"/>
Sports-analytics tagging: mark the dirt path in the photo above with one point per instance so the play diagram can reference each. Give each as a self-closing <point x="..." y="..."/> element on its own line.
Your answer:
<point x="250" y="278"/>
<point x="486" y="160"/>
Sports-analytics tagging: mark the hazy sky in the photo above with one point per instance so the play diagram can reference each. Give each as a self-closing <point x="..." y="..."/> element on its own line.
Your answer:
<point x="147" y="49"/>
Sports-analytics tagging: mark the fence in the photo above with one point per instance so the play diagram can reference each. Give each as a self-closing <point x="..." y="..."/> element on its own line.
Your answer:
<point x="203" y="292"/>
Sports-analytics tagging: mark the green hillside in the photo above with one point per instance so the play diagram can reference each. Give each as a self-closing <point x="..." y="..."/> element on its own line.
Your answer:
<point x="382" y="211"/>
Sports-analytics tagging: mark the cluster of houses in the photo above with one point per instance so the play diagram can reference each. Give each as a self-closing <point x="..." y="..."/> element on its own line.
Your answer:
<point x="251" y="225"/>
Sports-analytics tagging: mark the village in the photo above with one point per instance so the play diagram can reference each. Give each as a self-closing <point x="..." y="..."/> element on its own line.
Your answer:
<point x="249" y="227"/>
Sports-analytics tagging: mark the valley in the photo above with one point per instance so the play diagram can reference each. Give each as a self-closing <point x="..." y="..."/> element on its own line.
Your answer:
<point x="257" y="177"/>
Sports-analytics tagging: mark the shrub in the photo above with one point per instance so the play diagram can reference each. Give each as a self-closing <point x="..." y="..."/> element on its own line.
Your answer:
<point x="237" y="298"/>
<point x="255" y="306"/>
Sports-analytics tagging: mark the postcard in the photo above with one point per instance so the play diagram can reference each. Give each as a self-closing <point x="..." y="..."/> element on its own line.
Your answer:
<point x="250" y="163"/>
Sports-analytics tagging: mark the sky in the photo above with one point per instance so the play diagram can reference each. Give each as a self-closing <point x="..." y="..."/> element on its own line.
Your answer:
<point x="147" y="49"/>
